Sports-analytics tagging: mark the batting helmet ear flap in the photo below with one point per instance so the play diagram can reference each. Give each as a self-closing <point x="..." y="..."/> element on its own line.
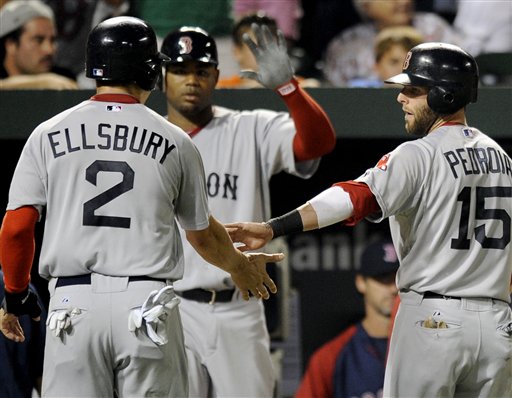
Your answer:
<point x="444" y="101"/>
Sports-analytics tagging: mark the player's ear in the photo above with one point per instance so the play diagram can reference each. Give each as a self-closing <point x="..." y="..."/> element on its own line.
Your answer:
<point x="360" y="282"/>
<point x="217" y="74"/>
<point x="11" y="45"/>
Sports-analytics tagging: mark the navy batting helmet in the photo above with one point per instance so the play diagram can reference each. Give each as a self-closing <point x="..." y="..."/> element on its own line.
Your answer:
<point x="450" y="73"/>
<point x="124" y="50"/>
<point x="190" y="44"/>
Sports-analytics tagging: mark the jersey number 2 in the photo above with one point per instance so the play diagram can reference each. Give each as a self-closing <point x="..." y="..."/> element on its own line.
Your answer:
<point x="110" y="194"/>
<point x="462" y="242"/>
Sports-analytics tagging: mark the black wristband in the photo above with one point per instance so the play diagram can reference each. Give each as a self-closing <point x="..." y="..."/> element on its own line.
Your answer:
<point x="21" y="303"/>
<point x="288" y="223"/>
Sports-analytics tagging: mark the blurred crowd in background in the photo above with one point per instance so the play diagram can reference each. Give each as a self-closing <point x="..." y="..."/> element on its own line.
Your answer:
<point x="332" y="43"/>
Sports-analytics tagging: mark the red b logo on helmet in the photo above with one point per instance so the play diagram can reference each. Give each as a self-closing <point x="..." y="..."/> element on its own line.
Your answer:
<point x="185" y="44"/>
<point x="406" y="60"/>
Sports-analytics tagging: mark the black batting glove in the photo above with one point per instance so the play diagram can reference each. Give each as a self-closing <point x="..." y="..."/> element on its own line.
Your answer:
<point x="21" y="303"/>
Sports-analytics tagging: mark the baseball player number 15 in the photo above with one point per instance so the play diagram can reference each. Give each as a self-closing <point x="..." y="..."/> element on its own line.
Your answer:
<point x="482" y="213"/>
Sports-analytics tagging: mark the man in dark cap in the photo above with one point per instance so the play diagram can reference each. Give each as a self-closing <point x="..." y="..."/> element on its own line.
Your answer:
<point x="352" y="364"/>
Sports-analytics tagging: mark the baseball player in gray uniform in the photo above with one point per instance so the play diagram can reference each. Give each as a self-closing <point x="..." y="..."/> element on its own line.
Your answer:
<point x="226" y="339"/>
<point x="448" y="196"/>
<point x="115" y="178"/>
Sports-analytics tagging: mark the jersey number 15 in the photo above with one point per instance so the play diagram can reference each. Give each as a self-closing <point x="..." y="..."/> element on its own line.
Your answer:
<point x="462" y="242"/>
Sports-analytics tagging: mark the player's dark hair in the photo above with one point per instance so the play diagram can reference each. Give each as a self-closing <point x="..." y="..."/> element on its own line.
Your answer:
<point x="244" y="24"/>
<point x="14" y="36"/>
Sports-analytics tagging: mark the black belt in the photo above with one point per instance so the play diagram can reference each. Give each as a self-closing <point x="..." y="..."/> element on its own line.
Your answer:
<point x="86" y="280"/>
<point x="433" y="295"/>
<point x="208" y="296"/>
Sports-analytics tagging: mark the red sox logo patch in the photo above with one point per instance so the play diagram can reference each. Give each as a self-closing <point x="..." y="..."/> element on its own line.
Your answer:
<point x="383" y="162"/>
<point x="390" y="255"/>
<point x="185" y="44"/>
<point x="406" y="60"/>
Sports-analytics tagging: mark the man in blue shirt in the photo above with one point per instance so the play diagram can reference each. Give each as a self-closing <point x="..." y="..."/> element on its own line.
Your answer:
<point x="353" y="363"/>
<point x="21" y="364"/>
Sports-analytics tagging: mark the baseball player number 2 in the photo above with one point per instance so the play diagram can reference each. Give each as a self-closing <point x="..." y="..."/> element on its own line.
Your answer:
<point x="482" y="213"/>
<point x="91" y="173"/>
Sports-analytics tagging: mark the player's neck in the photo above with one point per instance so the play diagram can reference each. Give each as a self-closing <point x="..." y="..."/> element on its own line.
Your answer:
<point x="11" y="68"/>
<point x="132" y="89"/>
<point x="190" y="122"/>
<point x="455" y="118"/>
<point x="376" y="325"/>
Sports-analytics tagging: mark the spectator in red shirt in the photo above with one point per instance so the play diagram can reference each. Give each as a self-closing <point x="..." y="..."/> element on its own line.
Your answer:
<point x="352" y="364"/>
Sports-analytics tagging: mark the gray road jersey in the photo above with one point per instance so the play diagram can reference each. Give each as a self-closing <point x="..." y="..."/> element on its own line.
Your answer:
<point x="241" y="151"/>
<point x="113" y="177"/>
<point x="449" y="200"/>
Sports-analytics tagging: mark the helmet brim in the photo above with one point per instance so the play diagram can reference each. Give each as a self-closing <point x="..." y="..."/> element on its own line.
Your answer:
<point x="163" y="57"/>
<point x="188" y="58"/>
<point x="401" y="78"/>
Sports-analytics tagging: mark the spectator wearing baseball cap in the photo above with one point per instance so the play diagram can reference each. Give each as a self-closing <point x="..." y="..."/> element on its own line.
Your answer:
<point x="27" y="48"/>
<point x="353" y="363"/>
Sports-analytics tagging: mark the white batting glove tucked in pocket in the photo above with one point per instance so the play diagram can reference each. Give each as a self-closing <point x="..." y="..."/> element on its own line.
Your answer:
<point x="59" y="320"/>
<point x="153" y="314"/>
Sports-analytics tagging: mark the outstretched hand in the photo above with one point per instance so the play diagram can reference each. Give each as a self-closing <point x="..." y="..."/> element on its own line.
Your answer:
<point x="275" y="68"/>
<point x="251" y="276"/>
<point x="10" y="327"/>
<point x="14" y="305"/>
<point x="249" y="235"/>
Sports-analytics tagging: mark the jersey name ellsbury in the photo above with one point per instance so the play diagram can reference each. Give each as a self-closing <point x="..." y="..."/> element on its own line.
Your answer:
<point x="477" y="161"/>
<point x="116" y="137"/>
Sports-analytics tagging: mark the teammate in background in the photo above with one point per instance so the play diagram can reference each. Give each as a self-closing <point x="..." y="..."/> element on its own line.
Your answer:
<point x="448" y="196"/>
<point x="27" y="48"/>
<point x="352" y="364"/>
<point x="226" y="339"/>
<point x="246" y="59"/>
<point x="391" y="46"/>
<point x="21" y="365"/>
<point x="115" y="177"/>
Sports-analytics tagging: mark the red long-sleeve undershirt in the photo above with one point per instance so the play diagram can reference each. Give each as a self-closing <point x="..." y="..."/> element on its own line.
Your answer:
<point x="315" y="135"/>
<point x="17" y="247"/>
<point x="363" y="201"/>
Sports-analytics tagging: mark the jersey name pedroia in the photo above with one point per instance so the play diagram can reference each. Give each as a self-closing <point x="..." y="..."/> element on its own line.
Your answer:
<point x="241" y="150"/>
<point x="117" y="176"/>
<point x="448" y="196"/>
